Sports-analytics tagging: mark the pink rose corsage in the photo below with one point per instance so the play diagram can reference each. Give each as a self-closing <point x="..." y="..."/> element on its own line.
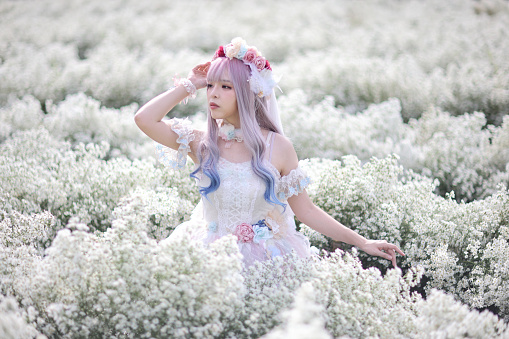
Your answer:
<point x="244" y="232"/>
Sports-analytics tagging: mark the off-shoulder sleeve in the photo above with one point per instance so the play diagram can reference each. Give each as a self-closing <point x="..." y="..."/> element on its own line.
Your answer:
<point x="292" y="184"/>
<point x="177" y="159"/>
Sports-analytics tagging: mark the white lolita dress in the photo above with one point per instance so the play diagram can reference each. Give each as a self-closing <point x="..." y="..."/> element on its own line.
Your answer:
<point x="238" y="206"/>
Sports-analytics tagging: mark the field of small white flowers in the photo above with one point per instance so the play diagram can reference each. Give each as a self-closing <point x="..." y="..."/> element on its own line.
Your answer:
<point x="397" y="108"/>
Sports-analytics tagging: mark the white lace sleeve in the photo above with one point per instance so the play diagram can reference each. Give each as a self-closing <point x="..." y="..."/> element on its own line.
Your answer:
<point x="176" y="159"/>
<point x="292" y="184"/>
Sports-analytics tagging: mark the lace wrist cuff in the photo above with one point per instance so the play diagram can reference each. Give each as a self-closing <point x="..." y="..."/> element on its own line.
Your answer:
<point x="188" y="85"/>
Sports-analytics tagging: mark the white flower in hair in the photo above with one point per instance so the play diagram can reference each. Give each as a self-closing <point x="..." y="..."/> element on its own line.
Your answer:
<point x="261" y="82"/>
<point x="236" y="49"/>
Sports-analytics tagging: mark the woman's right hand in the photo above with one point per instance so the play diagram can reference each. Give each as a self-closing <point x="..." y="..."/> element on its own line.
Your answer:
<point x="149" y="117"/>
<point x="198" y="75"/>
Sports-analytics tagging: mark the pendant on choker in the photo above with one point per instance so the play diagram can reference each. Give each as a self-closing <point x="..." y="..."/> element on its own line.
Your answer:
<point x="229" y="133"/>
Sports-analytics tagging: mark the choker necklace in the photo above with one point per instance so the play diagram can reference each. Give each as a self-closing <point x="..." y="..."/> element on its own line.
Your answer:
<point x="229" y="133"/>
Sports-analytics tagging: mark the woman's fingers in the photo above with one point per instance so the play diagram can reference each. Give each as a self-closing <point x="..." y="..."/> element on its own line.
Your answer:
<point x="393" y="258"/>
<point x="198" y="75"/>
<point x="392" y="247"/>
<point x="388" y="251"/>
<point x="381" y="252"/>
<point x="383" y="249"/>
<point x="202" y="68"/>
<point x="396" y="248"/>
<point x="388" y="254"/>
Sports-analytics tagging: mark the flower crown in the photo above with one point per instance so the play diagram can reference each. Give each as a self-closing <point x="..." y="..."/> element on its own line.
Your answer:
<point x="261" y="80"/>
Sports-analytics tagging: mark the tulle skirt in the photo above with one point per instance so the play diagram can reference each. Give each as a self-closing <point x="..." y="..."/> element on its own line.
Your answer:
<point x="251" y="251"/>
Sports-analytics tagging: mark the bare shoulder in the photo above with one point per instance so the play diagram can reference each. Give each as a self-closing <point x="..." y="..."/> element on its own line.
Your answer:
<point x="282" y="143"/>
<point x="284" y="157"/>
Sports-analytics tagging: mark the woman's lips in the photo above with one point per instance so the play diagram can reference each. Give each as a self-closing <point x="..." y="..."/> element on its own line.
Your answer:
<point x="213" y="105"/>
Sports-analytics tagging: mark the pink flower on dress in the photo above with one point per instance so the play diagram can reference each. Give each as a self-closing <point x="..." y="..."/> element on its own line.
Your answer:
<point x="244" y="232"/>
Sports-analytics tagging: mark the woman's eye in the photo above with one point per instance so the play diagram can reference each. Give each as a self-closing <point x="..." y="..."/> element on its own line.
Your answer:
<point x="226" y="87"/>
<point x="209" y="85"/>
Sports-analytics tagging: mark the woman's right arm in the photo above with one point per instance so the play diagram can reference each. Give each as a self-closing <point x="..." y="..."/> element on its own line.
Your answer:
<point x="149" y="117"/>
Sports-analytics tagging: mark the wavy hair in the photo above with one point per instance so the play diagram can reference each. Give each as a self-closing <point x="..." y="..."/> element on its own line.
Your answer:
<point x="253" y="116"/>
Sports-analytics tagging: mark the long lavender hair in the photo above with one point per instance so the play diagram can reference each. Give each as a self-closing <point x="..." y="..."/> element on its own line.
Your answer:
<point x="253" y="116"/>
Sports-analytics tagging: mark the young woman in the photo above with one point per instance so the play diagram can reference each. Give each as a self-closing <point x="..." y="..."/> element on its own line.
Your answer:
<point x="247" y="171"/>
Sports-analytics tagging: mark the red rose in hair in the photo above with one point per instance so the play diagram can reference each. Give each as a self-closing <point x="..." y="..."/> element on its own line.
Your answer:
<point x="267" y="65"/>
<point x="219" y="53"/>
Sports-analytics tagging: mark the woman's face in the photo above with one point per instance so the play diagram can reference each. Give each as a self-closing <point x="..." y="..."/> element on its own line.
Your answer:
<point x="223" y="101"/>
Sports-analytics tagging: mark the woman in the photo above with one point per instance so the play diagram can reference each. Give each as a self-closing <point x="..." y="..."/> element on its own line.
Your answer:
<point x="248" y="172"/>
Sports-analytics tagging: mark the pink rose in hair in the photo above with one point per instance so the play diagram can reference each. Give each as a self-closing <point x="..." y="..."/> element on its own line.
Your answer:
<point x="259" y="62"/>
<point x="244" y="232"/>
<point x="250" y="56"/>
<point x="267" y="65"/>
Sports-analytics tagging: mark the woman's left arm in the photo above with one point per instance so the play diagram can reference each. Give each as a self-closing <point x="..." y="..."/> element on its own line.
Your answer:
<point x="317" y="219"/>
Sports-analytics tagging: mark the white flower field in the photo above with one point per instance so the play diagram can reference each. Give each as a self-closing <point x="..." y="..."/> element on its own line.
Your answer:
<point x="398" y="110"/>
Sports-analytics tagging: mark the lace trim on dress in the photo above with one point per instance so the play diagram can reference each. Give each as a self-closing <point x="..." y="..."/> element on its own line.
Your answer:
<point x="176" y="159"/>
<point x="292" y="184"/>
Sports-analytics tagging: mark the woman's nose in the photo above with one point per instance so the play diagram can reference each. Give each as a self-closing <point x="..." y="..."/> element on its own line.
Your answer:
<point x="214" y="92"/>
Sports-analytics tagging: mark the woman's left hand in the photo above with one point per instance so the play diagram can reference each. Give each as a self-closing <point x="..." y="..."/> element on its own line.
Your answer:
<point x="198" y="75"/>
<point x="382" y="249"/>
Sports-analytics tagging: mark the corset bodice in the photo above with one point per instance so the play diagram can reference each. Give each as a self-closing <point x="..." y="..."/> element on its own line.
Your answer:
<point x="239" y="198"/>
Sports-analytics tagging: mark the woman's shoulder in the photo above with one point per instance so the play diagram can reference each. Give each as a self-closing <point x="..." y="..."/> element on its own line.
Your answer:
<point x="284" y="157"/>
<point x="282" y="143"/>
